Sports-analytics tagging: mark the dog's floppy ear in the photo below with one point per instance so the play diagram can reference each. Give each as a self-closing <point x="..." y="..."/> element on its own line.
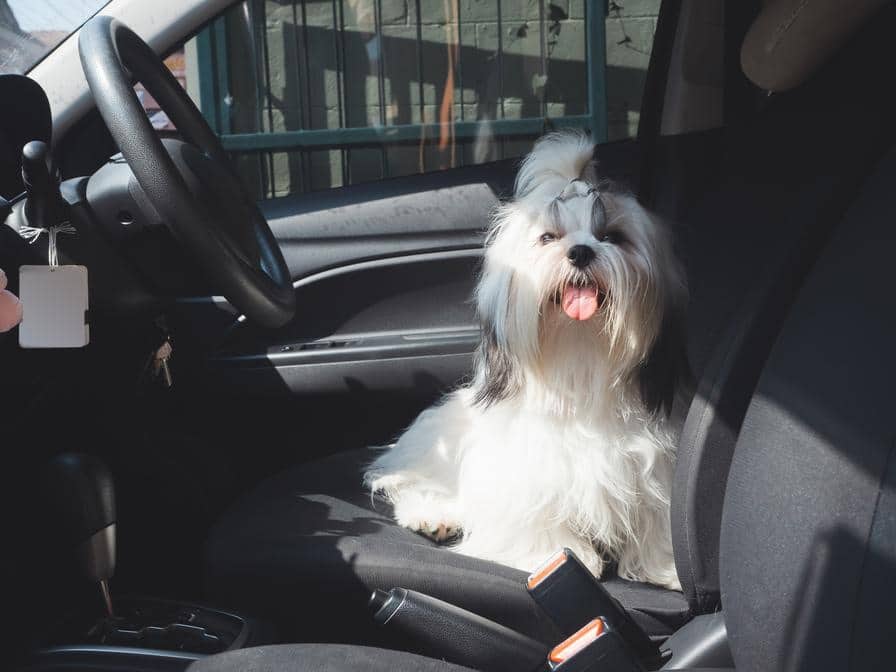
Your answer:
<point x="497" y="367"/>
<point x="666" y="368"/>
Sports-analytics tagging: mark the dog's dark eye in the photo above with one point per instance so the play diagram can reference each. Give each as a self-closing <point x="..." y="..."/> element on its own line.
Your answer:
<point x="612" y="237"/>
<point x="547" y="238"/>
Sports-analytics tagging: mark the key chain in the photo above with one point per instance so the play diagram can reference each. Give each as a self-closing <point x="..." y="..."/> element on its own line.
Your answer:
<point x="32" y="233"/>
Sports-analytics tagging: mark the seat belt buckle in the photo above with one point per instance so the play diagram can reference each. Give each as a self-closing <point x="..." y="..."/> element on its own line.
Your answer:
<point x="571" y="596"/>
<point x="594" y="648"/>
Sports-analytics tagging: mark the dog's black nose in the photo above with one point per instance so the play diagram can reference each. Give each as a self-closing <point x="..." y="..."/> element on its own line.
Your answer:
<point x="580" y="255"/>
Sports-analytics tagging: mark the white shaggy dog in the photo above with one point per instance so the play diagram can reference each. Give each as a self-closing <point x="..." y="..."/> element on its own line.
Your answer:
<point x="559" y="439"/>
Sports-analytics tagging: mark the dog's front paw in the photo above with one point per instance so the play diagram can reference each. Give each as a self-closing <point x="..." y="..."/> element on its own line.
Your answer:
<point x="432" y="521"/>
<point x="437" y="531"/>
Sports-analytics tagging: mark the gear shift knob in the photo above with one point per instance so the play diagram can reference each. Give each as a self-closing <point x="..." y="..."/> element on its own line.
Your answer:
<point x="81" y="497"/>
<point x="43" y="192"/>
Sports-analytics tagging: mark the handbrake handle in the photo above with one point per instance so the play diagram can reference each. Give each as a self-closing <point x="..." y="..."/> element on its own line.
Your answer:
<point x="443" y="630"/>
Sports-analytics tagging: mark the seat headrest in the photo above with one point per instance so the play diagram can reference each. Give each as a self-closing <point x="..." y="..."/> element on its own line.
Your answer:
<point x="791" y="39"/>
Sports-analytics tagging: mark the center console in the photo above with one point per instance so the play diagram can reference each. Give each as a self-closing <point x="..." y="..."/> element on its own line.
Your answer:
<point x="146" y="634"/>
<point x="135" y="634"/>
<point x="157" y="624"/>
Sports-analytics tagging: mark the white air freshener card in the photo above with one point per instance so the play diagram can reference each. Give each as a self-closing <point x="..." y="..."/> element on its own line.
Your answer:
<point x="54" y="303"/>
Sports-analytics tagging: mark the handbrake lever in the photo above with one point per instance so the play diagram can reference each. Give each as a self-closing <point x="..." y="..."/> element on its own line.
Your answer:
<point x="443" y="630"/>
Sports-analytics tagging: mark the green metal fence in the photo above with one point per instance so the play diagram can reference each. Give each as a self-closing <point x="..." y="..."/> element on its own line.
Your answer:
<point x="215" y="56"/>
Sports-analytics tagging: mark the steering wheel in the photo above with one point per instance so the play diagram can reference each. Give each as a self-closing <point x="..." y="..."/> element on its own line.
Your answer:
<point x="231" y="242"/>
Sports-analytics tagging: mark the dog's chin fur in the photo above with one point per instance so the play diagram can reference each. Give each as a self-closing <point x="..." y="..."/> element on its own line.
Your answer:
<point x="560" y="439"/>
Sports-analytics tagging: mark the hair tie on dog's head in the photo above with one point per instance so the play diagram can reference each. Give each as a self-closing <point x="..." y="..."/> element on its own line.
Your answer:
<point x="564" y="195"/>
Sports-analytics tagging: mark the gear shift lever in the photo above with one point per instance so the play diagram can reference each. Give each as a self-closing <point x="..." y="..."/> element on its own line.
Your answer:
<point x="82" y="498"/>
<point x="44" y="202"/>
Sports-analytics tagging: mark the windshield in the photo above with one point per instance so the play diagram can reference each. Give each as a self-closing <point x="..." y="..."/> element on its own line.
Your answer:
<point x="31" y="29"/>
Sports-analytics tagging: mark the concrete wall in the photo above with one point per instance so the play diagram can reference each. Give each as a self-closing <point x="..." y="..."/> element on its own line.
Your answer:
<point x="302" y="78"/>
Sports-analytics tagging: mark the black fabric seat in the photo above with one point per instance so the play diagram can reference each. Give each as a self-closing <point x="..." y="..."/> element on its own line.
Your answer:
<point x="784" y="182"/>
<point x="312" y="533"/>
<point x="808" y="535"/>
<point x="328" y="658"/>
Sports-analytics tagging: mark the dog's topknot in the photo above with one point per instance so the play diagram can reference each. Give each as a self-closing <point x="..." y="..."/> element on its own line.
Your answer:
<point x="556" y="159"/>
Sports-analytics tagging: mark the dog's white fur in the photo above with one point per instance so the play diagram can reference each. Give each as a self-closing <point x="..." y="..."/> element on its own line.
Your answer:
<point x="552" y="444"/>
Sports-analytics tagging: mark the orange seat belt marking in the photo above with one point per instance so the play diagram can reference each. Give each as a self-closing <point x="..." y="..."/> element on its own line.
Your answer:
<point x="575" y="643"/>
<point x="546" y="569"/>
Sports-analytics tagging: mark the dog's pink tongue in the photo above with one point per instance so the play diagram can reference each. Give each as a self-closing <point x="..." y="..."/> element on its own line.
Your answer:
<point x="580" y="303"/>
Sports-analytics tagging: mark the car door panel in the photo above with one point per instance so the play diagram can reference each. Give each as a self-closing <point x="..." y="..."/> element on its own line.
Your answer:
<point x="381" y="325"/>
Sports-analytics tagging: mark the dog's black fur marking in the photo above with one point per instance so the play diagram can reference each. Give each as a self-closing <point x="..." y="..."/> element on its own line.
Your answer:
<point x="497" y="366"/>
<point x="500" y="380"/>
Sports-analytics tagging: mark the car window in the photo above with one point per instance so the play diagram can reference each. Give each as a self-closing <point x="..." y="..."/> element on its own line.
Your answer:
<point x="31" y="29"/>
<point x="309" y="95"/>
